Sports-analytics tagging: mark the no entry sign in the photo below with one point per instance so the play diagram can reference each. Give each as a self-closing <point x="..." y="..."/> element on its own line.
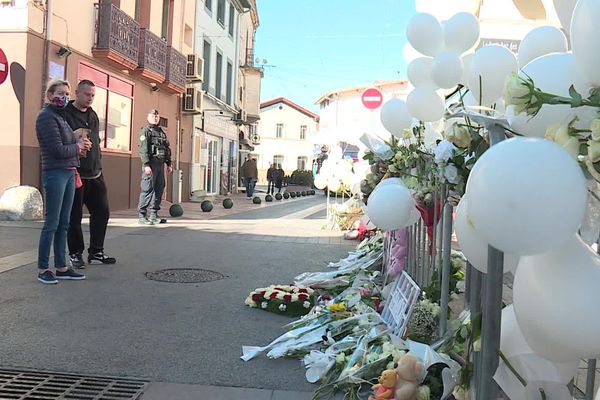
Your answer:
<point x="372" y="98"/>
<point x="3" y="67"/>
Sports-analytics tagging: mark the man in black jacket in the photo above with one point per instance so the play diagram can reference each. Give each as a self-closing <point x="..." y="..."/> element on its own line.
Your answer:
<point x="155" y="152"/>
<point x="92" y="193"/>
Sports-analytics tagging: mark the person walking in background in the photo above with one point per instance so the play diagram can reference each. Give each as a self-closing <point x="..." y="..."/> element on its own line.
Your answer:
<point x="271" y="179"/>
<point x="250" y="175"/>
<point x="155" y="152"/>
<point x="60" y="153"/>
<point x="279" y="175"/>
<point x="81" y="117"/>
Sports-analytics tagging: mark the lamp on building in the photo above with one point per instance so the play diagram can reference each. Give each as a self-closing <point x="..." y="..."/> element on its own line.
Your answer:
<point x="63" y="51"/>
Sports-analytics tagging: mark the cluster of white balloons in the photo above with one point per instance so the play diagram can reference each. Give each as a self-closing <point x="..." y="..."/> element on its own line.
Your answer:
<point x="337" y="173"/>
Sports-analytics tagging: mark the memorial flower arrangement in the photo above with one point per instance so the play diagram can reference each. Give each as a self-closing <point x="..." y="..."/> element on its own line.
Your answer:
<point x="282" y="299"/>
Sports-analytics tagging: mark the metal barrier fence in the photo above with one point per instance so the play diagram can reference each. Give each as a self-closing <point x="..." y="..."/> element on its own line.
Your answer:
<point x="428" y="256"/>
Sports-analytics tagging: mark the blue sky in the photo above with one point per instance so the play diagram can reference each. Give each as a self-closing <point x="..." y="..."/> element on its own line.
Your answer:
<point x="315" y="46"/>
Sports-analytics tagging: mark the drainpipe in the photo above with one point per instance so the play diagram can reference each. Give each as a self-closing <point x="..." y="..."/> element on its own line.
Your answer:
<point x="47" y="32"/>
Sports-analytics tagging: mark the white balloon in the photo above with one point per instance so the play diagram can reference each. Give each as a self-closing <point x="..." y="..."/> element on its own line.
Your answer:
<point x="320" y="181"/>
<point x="333" y="184"/>
<point x="461" y="32"/>
<point x="493" y="64"/>
<point x="564" y="10"/>
<point x="389" y="181"/>
<point x="419" y="72"/>
<point x="471" y="243"/>
<point x="336" y="153"/>
<point x="535" y="368"/>
<point x="424" y="33"/>
<point x="555" y="297"/>
<point x="414" y="217"/>
<point x="526" y="195"/>
<point x="444" y="9"/>
<point x="584" y="39"/>
<point x="539" y="42"/>
<point x="425" y="104"/>
<point x="446" y="69"/>
<point x="389" y="206"/>
<point x="466" y="60"/>
<point x="395" y="117"/>
<point x="552" y="73"/>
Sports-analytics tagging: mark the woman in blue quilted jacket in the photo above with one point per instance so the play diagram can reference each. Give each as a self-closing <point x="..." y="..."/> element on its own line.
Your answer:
<point x="60" y="153"/>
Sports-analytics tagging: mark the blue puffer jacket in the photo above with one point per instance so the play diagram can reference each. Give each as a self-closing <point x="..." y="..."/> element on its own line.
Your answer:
<point x="58" y="145"/>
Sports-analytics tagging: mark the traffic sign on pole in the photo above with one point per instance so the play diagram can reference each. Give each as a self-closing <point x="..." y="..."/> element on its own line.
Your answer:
<point x="3" y="67"/>
<point x="372" y="98"/>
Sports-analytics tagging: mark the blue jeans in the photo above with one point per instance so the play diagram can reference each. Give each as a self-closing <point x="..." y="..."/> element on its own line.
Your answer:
<point x="59" y="189"/>
<point x="249" y="182"/>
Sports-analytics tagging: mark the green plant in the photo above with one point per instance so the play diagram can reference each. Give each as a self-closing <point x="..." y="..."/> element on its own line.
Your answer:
<point x="302" y="178"/>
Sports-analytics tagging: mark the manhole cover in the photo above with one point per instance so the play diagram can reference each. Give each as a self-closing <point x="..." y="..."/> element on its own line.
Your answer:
<point x="185" y="275"/>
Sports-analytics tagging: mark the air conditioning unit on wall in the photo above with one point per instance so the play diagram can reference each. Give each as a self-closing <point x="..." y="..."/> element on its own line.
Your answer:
<point x="195" y="68"/>
<point x="241" y="116"/>
<point x="193" y="100"/>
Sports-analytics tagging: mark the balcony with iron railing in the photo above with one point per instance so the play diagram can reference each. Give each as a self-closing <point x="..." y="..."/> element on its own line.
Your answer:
<point x="152" y="60"/>
<point x="176" y="70"/>
<point x="117" y="37"/>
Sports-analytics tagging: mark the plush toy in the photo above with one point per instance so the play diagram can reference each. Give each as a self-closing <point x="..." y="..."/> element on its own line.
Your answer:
<point x="384" y="390"/>
<point x="409" y="370"/>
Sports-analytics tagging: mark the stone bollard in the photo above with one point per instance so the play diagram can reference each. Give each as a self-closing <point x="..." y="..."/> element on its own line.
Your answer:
<point x="21" y="203"/>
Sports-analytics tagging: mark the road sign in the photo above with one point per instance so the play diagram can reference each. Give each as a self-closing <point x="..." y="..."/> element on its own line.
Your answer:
<point x="372" y="98"/>
<point x="3" y="67"/>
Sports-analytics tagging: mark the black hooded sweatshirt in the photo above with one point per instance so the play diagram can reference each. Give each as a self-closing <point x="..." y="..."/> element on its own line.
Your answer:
<point x="90" y="166"/>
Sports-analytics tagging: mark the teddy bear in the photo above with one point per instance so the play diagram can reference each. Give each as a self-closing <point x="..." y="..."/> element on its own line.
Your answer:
<point x="384" y="390"/>
<point x="408" y="372"/>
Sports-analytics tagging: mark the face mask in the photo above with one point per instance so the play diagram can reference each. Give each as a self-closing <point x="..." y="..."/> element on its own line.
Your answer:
<point x="60" y="101"/>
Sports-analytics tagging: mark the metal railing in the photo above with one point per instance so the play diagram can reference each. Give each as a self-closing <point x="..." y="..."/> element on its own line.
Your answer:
<point x="153" y="52"/>
<point x="117" y="31"/>
<point x="176" y="67"/>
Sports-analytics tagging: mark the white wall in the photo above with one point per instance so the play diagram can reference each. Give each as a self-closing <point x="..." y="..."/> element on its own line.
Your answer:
<point x="208" y="28"/>
<point x="290" y="145"/>
<point x="14" y="16"/>
<point x="346" y="119"/>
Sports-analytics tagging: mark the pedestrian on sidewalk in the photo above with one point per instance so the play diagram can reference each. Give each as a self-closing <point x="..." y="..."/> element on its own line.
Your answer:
<point x="155" y="152"/>
<point x="60" y="151"/>
<point x="92" y="190"/>
<point x="279" y="175"/>
<point x="250" y="174"/>
<point x="271" y="179"/>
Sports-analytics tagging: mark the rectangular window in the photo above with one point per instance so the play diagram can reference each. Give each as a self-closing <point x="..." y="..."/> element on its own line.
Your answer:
<point x="219" y="76"/>
<point x="208" y="5"/>
<point x="229" y="94"/>
<point x="113" y="104"/>
<point x="302" y="163"/>
<point x="206" y="56"/>
<point x="231" y="20"/>
<point x="302" y="132"/>
<point x="279" y="131"/>
<point x="278" y="160"/>
<point x="166" y="11"/>
<point x="221" y="12"/>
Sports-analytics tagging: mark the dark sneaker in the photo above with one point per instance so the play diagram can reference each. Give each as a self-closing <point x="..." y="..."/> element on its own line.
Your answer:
<point x="156" y="219"/>
<point x="101" y="258"/>
<point x="142" y="220"/>
<point x="47" y="278"/>
<point x="69" y="275"/>
<point x="76" y="261"/>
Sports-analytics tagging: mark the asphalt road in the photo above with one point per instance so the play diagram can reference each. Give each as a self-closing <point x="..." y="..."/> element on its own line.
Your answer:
<point x="117" y="322"/>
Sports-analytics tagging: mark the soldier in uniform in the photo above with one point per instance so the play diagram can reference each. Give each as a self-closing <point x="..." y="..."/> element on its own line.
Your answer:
<point x="155" y="152"/>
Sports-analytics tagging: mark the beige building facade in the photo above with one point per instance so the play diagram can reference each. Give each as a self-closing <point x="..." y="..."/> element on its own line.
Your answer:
<point x="286" y="131"/>
<point x="141" y="54"/>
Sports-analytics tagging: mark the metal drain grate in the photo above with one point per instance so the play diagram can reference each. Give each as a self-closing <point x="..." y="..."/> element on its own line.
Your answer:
<point x="185" y="275"/>
<point x="38" y="385"/>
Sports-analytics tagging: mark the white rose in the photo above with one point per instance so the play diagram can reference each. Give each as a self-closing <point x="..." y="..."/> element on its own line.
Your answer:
<point x="443" y="151"/>
<point x="595" y="127"/>
<point x="459" y="135"/>
<point x="451" y="173"/>
<point x="282" y="307"/>
<point x="516" y="93"/>
<point x="264" y="304"/>
<point x="306" y="304"/>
